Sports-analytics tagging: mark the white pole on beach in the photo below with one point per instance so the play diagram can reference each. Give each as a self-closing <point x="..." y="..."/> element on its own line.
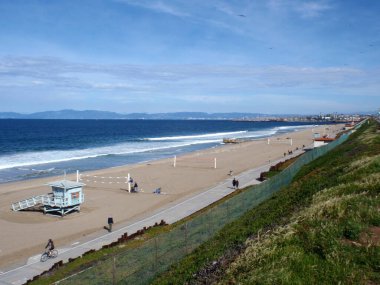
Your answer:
<point x="77" y="175"/>
<point x="129" y="182"/>
<point x="175" y="160"/>
<point x="215" y="162"/>
<point x="291" y="141"/>
<point x="268" y="140"/>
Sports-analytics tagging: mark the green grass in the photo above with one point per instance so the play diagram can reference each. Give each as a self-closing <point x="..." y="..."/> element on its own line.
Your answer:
<point x="310" y="228"/>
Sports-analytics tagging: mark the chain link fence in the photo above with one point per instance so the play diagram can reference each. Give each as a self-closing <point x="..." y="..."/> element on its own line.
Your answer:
<point x="140" y="265"/>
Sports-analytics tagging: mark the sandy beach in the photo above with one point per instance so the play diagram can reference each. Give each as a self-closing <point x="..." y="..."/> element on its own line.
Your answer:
<point x="25" y="233"/>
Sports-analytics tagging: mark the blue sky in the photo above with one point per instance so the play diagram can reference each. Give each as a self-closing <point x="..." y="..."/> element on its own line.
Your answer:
<point x="272" y="56"/>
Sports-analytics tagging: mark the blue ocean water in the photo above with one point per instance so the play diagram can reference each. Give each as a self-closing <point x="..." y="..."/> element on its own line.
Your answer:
<point x="37" y="148"/>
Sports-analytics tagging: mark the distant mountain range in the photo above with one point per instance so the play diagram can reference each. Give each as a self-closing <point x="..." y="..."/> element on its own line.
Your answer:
<point x="105" y="115"/>
<point x="92" y="114"/>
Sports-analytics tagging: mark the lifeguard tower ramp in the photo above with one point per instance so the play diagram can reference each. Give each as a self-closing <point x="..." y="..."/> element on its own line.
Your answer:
<point x="67" y="196"/>
<point x="27" y="203"/>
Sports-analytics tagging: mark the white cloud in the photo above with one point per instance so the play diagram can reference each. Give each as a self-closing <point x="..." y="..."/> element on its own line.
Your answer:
<point x="155" y="88"/>
<point x="306" y="9"/>
<point x="156" y="6"/>
<point x="312" y="9"/>
<point x="24" y="71"/>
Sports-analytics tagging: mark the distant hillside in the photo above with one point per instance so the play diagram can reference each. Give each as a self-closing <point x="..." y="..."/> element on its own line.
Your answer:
<point x="10" y="115"/>
<point x="93" y="114"/>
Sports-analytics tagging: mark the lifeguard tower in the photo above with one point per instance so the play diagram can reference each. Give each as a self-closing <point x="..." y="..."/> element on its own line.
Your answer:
<point x="66" y="196"/>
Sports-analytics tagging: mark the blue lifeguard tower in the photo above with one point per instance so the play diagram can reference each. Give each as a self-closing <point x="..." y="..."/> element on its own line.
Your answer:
<point x="66" y="196"/>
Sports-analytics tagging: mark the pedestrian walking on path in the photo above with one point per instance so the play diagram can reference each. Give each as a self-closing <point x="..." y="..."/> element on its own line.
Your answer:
<point x="237" y="184"/>
<point x="110" y="223"/>
<point x="234" y="182"/>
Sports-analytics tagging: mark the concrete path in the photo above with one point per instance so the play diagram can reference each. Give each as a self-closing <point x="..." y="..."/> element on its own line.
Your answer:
<point x="170" y="214"/>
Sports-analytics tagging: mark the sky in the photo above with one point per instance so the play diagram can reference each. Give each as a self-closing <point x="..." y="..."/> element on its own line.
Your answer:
<point x="126" y="56"/>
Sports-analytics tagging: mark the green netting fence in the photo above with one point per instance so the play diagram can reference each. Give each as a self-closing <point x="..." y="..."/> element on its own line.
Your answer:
<point x="140" y="265"/>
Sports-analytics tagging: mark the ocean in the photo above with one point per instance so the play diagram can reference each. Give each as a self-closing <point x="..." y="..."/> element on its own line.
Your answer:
<point x="39" y="148"/>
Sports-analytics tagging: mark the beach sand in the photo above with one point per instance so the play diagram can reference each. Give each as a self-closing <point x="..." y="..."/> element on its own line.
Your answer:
<point x="25" y="233"/>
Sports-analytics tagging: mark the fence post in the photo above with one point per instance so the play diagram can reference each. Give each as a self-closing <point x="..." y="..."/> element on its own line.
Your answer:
<point x="228" y="210"/>
<point x="209" y="224"/>
<point x="114" y="271"/>
<point x="186" y="239"/>
<point x="156" y="253"/>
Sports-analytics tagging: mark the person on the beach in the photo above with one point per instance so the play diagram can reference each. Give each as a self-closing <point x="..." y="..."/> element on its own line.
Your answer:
<point x="135" y="187"/>
<point x="237" y="184"/>
<point x="234" y="183"/>
<point x="110" y="223"/>
<point x="50" y="246"/>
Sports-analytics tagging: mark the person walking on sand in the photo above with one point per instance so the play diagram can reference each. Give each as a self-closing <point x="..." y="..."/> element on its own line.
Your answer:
<point x="234" y="183"/>
<point x="135" y="187"/>
<point x="237" y="184"/>
<point x="110" y="223"/>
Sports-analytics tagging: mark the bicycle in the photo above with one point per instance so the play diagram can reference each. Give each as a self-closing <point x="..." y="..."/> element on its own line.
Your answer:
<point x="49" y="254"/>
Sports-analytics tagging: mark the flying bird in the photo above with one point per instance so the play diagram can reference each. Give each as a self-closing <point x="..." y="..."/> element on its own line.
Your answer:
<point x="241" y="15"/>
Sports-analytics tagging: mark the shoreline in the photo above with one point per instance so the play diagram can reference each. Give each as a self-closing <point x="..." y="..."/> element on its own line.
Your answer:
<point x="101" y="201"/>
<point x="30" y="171"/>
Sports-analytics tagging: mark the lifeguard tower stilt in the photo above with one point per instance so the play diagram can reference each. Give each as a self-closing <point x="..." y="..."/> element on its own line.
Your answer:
<point x="66" y="196"/>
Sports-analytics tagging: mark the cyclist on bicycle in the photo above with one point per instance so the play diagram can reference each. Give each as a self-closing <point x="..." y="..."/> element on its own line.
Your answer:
<point x="50" y="246"/>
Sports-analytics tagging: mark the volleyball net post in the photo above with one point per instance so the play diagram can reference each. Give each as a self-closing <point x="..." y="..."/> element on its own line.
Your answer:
<point x="129" y="182"/>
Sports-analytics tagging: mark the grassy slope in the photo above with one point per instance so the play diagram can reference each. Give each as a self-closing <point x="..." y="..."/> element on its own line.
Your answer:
<point x="315" y="229"/>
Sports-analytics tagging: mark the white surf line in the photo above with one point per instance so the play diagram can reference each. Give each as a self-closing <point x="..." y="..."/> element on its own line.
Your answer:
<point x="136" y="223"/>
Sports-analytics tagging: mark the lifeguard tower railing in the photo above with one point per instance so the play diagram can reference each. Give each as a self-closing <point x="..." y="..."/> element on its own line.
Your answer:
<point x="40" y="200"/>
